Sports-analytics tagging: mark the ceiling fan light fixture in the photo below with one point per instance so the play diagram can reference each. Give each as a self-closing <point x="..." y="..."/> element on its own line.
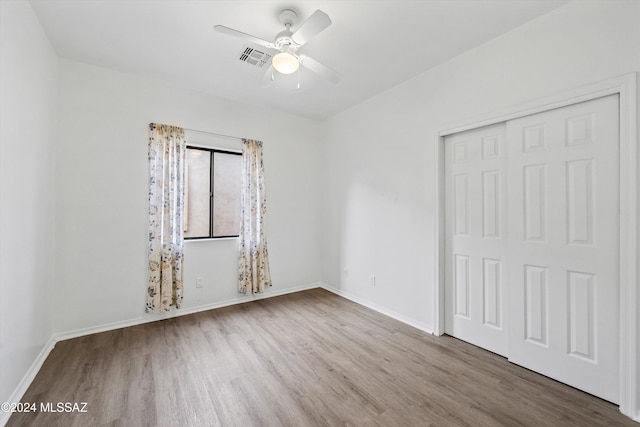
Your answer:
<point x="285" y="63"/>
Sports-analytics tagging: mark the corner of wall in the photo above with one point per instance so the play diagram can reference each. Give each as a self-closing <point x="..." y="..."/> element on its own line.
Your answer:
<point x="29" y="87"/>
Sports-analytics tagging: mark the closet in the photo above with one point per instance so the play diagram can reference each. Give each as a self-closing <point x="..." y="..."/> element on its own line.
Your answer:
<point x="531" y="242"/>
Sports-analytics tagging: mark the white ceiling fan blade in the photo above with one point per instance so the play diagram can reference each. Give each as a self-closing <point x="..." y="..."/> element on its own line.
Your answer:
<point x="320" y="69"/>
<point x="269" y="77"/>
<point x="317" y="22"/>
<point x="244" y="36"/>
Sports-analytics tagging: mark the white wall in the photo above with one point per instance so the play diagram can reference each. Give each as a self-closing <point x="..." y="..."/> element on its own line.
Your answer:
<point x="28" y="84"/>
<point x="102" y="204"/>
<point x="380" y="156"/>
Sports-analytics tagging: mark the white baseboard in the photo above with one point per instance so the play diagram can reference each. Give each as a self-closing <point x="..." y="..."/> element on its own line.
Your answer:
<point x="152" y="317"/>
<point x="240" y="300"/>
<point x="404" y="319"/>
<point x="27" y="379"/>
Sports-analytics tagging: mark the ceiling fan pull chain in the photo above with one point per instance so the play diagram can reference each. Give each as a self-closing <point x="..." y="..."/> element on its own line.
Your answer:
<point x="298" y="79"/>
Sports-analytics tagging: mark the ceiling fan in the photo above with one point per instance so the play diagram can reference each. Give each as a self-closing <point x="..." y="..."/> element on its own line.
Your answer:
<point x="287" y="43"/>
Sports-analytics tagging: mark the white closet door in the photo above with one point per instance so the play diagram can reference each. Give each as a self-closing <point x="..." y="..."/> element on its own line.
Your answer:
<point x="563" y="244"/>
<point x="475" y="237"/>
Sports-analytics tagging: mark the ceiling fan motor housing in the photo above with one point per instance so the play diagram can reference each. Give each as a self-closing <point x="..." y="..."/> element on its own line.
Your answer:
<point x="284" y="41"/>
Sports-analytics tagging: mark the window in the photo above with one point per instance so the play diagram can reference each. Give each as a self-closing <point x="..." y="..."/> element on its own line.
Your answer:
<point x="212" y="193"/>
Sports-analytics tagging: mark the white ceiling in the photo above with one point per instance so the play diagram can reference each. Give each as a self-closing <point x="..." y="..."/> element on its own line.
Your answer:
<point x="374" y="44"/>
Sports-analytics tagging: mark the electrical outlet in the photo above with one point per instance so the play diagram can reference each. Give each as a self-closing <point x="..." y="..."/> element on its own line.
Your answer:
<point x="199" y="281"/>
<point x="372" y="280"/>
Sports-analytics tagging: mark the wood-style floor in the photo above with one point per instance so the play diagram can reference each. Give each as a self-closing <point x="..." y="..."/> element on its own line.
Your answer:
<point x="305" y="359"/>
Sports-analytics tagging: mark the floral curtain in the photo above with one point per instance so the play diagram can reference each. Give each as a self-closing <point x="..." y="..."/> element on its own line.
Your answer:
<point x="253" y="274"/>
<point x="167" y="148"/>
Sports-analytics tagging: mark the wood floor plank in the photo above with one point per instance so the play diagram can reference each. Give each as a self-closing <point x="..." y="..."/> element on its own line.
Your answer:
<point x="304" y="359"/>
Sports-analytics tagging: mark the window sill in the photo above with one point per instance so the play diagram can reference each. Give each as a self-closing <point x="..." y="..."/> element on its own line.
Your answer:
<point x="216" y="239"/>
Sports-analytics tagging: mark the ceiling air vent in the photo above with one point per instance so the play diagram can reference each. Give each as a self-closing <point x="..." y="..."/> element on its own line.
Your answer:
<point x="254" y="56"/>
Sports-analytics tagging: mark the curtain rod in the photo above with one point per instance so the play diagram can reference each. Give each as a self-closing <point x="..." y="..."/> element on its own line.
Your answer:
<point x="213" y="133"/>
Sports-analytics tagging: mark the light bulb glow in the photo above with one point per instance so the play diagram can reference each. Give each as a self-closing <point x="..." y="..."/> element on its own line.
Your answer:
<point x="285" y="63"/>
